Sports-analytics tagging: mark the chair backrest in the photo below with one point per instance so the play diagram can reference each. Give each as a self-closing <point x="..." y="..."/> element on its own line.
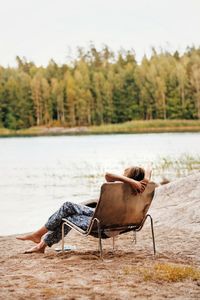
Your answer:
<point x="119" y="206"/>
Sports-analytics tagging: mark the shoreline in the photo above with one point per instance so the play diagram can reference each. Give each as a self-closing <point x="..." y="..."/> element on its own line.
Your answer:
<point x="131" y="127"/>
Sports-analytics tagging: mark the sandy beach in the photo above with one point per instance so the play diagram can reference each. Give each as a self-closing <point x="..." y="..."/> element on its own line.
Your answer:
<point x="130" y="272"/>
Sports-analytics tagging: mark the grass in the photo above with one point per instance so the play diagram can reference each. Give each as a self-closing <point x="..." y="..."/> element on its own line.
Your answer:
<point x="165" y="272"/>
<point x="149" y="126"/>
<point x="22" y="132"/>
<point x="170" y="167"/>
<point x="164" y="168"/>
<point x="127" y="127"/>
<point x="171" y="273"/>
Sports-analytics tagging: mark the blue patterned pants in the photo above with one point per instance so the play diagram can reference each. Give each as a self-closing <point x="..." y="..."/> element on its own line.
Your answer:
<point x="78" y="214"/>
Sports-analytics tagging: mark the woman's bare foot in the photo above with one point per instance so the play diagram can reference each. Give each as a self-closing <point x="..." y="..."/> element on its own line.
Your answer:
<point x="30" y="237"/>
<point x="35" y="236"/>
<point x="39" y="248"/>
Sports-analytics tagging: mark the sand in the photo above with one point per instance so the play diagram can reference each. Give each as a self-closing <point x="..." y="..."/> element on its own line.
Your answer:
<point x="122" y="274"/>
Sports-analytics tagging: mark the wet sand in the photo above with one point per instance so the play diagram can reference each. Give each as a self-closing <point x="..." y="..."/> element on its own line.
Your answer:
<point x="80" y="274"/>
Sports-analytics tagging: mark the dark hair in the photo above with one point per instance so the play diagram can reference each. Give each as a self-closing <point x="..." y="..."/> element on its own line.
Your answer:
<point x="136" y="173"/>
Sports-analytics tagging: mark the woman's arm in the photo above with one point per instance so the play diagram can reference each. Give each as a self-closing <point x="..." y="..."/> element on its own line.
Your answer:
<point x="147" y="177"/>
<point x="148" y="171"/>
<point x="138" y="186"/>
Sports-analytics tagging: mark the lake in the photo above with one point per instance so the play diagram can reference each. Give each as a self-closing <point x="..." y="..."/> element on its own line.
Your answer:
<point x="38" y="174"/>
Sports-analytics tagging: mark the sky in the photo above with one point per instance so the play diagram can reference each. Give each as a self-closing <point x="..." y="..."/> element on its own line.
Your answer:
<point x="43" y="29"/>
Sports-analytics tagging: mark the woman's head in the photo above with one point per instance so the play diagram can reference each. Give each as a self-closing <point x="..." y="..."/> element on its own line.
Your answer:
<point x="136" y="173"/>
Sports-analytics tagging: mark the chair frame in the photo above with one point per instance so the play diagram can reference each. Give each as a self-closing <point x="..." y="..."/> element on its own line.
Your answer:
<point x="100" y="230"/>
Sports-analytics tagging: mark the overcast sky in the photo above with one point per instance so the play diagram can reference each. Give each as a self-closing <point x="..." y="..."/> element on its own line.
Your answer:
<point x="44" y="29"/>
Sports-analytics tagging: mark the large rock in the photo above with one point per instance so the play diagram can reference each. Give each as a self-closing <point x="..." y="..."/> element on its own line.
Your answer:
<point x="177" y="204"/>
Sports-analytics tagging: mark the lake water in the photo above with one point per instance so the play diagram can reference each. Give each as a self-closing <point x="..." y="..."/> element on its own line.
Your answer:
<point x="38" y="174"/>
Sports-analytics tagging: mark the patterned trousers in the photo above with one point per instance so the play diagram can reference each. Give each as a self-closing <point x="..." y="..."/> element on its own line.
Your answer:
<point x="78" y="214"/>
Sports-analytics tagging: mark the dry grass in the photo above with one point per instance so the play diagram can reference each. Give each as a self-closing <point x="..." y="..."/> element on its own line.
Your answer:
<point x="166" y="273"/>
<point x="134" y="126"/>
<point x="141" y="126"/>
<point x="49" y="292"/>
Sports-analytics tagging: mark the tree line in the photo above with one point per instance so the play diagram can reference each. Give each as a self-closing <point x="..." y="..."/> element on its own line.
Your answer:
<point x="101" y="87"/>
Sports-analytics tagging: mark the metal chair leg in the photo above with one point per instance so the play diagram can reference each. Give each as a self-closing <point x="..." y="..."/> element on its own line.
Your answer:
<point x="113" y="243"/>
<point x="153" y="237"/>
<point x="134" y="237"/>
<point x="63" y="224"/>
<point x="100" y="242"/>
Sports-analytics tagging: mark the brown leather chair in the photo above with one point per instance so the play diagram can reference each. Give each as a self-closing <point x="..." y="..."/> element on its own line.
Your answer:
<point x="117" y="211"/>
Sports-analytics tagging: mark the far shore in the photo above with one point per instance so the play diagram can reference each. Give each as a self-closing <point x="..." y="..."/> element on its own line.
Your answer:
<point x="150" y="126"/>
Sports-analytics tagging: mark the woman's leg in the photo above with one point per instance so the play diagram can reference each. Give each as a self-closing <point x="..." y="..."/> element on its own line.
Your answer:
<point x="80" y="214"/>
<point x="53" y="237"/>
<point x="35" y="236"/>
<point x="68" y="209"/>
<point x="39" y="248"/>
<point x="54" y="221"/>
<point x="50" y="238"/>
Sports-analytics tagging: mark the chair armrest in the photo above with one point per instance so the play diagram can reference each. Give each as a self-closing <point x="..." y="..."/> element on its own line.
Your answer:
<point x="73" y="226"/>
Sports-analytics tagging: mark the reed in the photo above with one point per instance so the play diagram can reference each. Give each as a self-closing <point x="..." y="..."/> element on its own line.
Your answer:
<point x="171" y="168"/>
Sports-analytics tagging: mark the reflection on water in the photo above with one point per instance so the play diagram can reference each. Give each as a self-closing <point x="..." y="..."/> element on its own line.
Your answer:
<point x="38" y="174"/>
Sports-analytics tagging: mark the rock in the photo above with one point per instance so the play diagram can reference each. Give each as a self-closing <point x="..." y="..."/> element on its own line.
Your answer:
<point x="178" y="204"/>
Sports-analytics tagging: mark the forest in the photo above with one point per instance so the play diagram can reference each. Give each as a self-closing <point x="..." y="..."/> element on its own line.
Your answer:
<point x="101" y="87"/>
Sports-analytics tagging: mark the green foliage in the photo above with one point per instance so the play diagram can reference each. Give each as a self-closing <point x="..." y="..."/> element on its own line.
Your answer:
<point x="100" y="87"/>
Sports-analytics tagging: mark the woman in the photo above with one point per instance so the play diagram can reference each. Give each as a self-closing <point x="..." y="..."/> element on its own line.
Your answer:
<point x="79" y="214"/>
